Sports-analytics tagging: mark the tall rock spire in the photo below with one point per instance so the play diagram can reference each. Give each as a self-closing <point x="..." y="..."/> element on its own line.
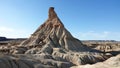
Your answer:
<point x="54" y="31"/>
<point x="52" y="13"/>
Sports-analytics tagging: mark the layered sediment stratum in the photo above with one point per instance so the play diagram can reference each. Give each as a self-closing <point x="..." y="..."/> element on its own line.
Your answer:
<point x="52" y="46"/>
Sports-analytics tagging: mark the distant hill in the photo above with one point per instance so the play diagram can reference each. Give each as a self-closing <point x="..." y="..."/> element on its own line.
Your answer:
<point x="3" y="38"/>
<point x="8" y="39"/>
<point x="99" y="41"/>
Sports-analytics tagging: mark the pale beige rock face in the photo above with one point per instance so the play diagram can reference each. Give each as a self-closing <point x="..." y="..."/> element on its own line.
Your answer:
<point x="107" y="47"/>
<point x="113" y="62"/>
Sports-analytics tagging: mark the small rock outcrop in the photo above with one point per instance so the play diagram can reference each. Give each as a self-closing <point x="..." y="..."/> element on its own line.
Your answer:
<point x="111" y="47"/>
<point x="113" y="62"/>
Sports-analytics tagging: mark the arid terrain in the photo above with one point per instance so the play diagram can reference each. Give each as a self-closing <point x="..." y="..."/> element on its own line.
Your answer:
<point x="106" y="46"/>
<point x="53" y="46"/>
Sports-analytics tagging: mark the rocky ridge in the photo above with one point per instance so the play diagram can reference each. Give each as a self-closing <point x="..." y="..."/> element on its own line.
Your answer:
<point x="112" y="47"/>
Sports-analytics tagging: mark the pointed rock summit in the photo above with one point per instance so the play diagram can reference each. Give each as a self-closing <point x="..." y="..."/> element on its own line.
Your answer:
<point x="52" y="13"/>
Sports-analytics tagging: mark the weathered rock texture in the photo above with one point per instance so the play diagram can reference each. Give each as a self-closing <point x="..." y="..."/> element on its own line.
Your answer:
<point x="105" y="46"/>
<point x="113" y="62"/>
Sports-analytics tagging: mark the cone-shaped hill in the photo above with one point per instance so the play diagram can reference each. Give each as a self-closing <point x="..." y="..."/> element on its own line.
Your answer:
<point x="53" y="34"/>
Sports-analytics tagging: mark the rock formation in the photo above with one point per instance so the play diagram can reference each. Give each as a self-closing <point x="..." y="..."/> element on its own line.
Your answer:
<point x="113" y="62"/>
<point x="52" y="45"/>
<point x="105" y="46"/>
<point x="52" y="34"/>
<point x="53" y="39"/>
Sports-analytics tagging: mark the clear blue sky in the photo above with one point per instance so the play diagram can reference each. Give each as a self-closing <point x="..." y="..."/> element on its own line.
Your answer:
<point x="85" y="19"/>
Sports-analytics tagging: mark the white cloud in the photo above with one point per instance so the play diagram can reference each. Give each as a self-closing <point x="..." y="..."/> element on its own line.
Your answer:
<point x="94" y="35"/>
<point x="13" y="33"/>
<point x="6" y="29"/>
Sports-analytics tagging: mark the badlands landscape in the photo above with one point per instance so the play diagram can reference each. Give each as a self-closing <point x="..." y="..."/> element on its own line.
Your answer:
<point x="53" y="46"/>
